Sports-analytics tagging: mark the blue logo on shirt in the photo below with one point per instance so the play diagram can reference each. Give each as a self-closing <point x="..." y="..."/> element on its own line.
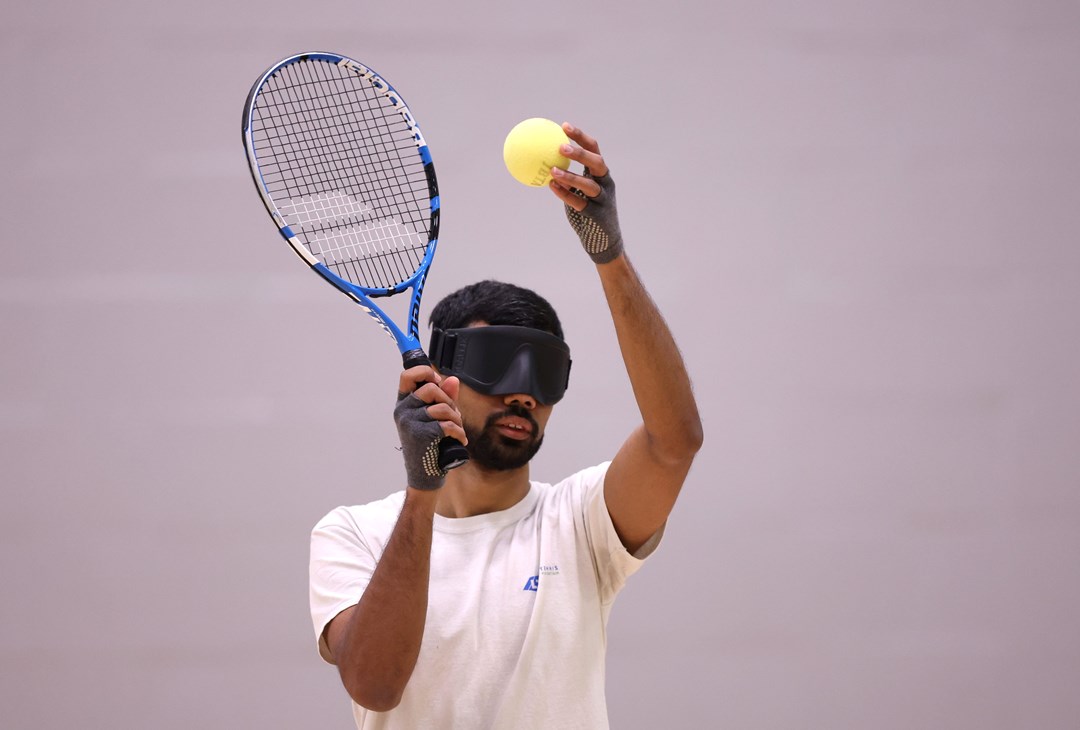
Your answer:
<point x="532" y="584"/>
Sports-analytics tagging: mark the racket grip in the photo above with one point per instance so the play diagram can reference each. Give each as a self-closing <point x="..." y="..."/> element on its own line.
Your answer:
<point x="412" y="358"/>
<point x="452" y="453"/>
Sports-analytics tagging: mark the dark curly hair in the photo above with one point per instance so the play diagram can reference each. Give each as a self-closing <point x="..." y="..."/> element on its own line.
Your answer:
<point x="496" y="303"/>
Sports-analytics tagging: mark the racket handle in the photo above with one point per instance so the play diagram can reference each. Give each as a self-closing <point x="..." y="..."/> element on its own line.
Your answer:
<point x="452" y="453"/>
<point x="412" y="358"/>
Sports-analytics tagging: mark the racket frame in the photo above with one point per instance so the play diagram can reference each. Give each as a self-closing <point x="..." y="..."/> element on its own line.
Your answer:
<point x="407" y="341"/>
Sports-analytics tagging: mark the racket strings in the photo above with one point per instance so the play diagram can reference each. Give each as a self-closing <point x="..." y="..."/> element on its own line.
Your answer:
<point x="342" y="167"/>
<point x="386" y="129"/>
<point x="356" y="251"/>
<point x="329" y="140"/>
<point x="337" y="246"/>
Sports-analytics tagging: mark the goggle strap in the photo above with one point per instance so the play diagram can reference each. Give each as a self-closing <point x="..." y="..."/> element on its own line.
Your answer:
<point x="442" y="348"/>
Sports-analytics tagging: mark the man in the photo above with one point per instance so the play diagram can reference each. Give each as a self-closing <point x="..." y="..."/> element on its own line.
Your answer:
<point x="477" y="598"/>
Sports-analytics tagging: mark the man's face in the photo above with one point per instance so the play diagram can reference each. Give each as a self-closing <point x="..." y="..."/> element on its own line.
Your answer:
<point x="505" y="431"/>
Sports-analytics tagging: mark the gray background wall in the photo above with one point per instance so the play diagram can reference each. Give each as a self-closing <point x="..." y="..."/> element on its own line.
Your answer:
<point x="860" y="218"/>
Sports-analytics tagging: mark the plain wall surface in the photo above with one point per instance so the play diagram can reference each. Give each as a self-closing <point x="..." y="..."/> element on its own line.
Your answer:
<point x="860" y="219"/>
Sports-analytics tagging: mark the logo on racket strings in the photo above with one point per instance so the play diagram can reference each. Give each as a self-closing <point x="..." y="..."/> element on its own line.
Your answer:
<point x="388" y="91"/>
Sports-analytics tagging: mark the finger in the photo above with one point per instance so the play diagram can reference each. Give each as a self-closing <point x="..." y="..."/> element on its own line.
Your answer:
<point x="567" y="196"/>
<point x="431" y="393"/>
<point x="444" y="412"/>
<point x="587" y="185"/>
<point x="454" y="431"/>
<point x="591" y="160"/>
<point x="443" y="391"/>
<point x="588" y="154"/>
<point x="581" y="138"/>
<point x="451" y="386"/>
<point x="414" y="377"/>
<point x="452" y="426"/>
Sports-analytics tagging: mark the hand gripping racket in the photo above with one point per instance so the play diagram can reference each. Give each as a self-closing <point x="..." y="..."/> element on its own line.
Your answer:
<point x="346" y="174"/>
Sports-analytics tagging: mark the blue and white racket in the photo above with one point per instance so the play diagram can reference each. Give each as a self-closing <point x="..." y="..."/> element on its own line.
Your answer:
<point x="346" y="174"/>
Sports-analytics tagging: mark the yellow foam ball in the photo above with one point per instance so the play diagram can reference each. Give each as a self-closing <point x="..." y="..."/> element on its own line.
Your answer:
<point x="532" y="149"/>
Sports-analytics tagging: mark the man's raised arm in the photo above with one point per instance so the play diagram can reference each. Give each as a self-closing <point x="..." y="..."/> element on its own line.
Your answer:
<point x="646" y="475"/>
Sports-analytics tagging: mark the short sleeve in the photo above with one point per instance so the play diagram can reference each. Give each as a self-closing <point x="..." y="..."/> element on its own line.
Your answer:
<point x="340" y="569"/>
<point x="614" y="564"/>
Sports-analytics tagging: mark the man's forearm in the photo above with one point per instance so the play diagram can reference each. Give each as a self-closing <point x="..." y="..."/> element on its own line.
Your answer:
<point x="657" y="373"/>
<point x="378" y="648"/>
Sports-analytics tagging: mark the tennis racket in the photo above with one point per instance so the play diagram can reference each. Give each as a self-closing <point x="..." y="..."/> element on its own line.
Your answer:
<point x="346" y="175"/>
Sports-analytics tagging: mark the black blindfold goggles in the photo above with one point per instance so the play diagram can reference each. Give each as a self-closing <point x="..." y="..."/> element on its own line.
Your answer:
<point x="501" y="359"/>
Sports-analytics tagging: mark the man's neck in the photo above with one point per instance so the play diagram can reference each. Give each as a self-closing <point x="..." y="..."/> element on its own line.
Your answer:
<point x="471" y="490"/>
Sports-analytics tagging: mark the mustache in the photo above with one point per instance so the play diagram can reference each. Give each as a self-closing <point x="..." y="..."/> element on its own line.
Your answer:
<point x="513" y="410"/>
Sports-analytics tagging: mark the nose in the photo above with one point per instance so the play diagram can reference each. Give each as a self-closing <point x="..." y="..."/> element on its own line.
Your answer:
<point x="522" y="399"/>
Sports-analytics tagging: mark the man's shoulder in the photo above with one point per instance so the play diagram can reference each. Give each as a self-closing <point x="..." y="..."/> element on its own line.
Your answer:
<point x="378" y="512"/>
<point x="589" y="476"/>
<point x="576" y="485"/>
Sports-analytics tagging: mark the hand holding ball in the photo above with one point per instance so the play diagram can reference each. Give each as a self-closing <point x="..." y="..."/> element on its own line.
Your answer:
<point x="532" y="149"/>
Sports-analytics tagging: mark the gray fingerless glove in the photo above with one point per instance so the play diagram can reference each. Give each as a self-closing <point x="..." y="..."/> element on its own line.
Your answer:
<point x="420" y="435"/>
<point x="598" y="225"/>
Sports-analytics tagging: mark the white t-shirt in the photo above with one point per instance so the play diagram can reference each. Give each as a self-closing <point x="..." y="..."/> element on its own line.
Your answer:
<point x="518" y="604"/>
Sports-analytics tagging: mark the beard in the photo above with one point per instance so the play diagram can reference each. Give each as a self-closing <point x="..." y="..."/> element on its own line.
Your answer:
<point x="491" y="450"/>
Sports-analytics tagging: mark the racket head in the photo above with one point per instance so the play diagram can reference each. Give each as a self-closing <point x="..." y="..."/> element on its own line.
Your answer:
<point x="346" y="175"/>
